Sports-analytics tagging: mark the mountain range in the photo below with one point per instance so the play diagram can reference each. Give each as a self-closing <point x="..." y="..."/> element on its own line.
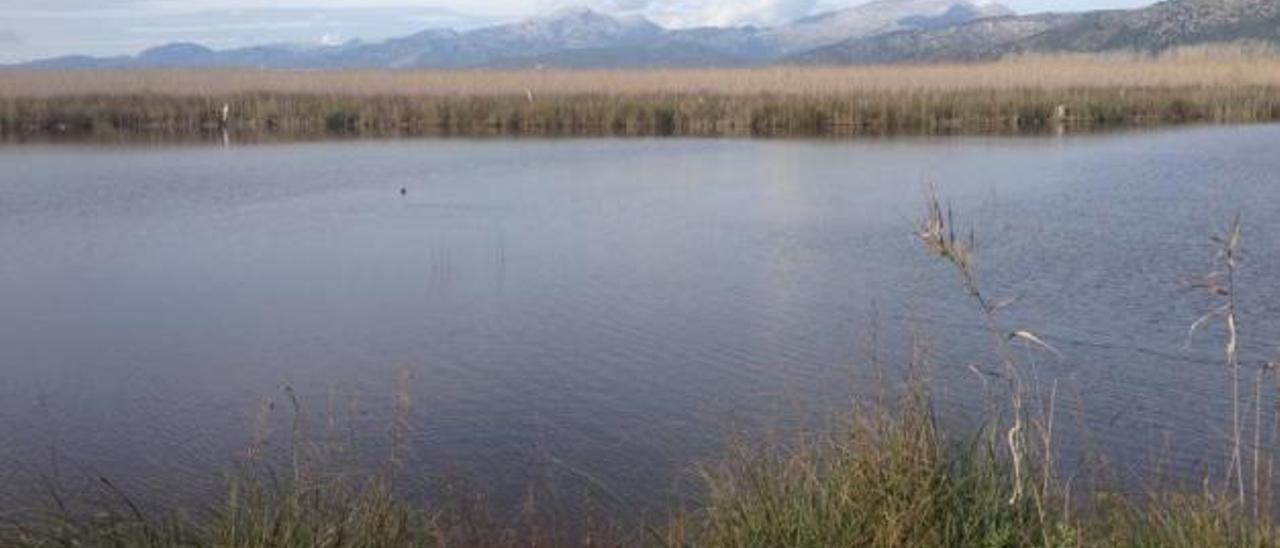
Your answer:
<point x="882" y="31"/>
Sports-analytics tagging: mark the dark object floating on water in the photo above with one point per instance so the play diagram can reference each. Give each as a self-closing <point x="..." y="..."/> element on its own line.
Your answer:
<point x="404" y="191"/>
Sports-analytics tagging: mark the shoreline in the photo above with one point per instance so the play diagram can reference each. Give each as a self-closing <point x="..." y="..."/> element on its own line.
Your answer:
<point x="1018" y="96"/>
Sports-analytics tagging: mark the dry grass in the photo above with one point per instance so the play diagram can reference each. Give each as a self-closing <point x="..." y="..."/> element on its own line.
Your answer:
<point x="1212" y="67"/>
<point x="1218" y="84"/>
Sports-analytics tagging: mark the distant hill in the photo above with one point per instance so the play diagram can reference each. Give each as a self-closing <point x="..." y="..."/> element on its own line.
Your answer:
<point x="573" y="38"/>
<point x="875" y="18"/>
<point x="1161" y="26"/>
<point x="972" y="41"/>
<point x="882" y="31"/>
<point x="1167" y="24"/>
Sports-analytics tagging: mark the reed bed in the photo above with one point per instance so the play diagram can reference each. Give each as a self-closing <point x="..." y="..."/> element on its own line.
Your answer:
<point x="1022" y="94"/>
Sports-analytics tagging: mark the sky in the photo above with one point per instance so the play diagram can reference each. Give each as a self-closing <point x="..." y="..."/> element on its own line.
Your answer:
<point x="33" y="29"/>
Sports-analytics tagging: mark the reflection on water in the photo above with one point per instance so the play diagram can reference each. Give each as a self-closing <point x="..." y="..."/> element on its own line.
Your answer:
<point x="617" y="304"/>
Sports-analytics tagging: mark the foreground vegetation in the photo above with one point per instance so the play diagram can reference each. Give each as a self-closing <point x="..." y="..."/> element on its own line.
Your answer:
<point x="889" y="477"/>
<point x="1226" y="84"/>
<point x="891" y="480"/>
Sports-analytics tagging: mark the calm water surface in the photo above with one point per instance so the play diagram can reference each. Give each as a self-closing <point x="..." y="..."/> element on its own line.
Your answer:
<point x="621" y="306"/>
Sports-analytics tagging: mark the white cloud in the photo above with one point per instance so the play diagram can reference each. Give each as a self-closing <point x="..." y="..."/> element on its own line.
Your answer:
<point x="760" y="12"/>
<point x="692" y="13"/>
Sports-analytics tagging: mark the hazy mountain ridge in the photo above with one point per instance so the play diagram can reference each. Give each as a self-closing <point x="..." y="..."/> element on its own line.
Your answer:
<point x="1161" y="26"/>
<point x="1166" y="24"/>
<point x="573" y="37"/>
<point x="882" y="31"/>
<point x="875" y="18"/>
<point x="973" y="41"/>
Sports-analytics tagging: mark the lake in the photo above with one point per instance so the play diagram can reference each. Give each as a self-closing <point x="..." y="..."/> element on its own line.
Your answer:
<point x="619" y="309"/>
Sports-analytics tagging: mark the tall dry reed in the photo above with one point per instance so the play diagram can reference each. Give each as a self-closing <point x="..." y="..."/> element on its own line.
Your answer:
<point x="1021" y="94"/>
